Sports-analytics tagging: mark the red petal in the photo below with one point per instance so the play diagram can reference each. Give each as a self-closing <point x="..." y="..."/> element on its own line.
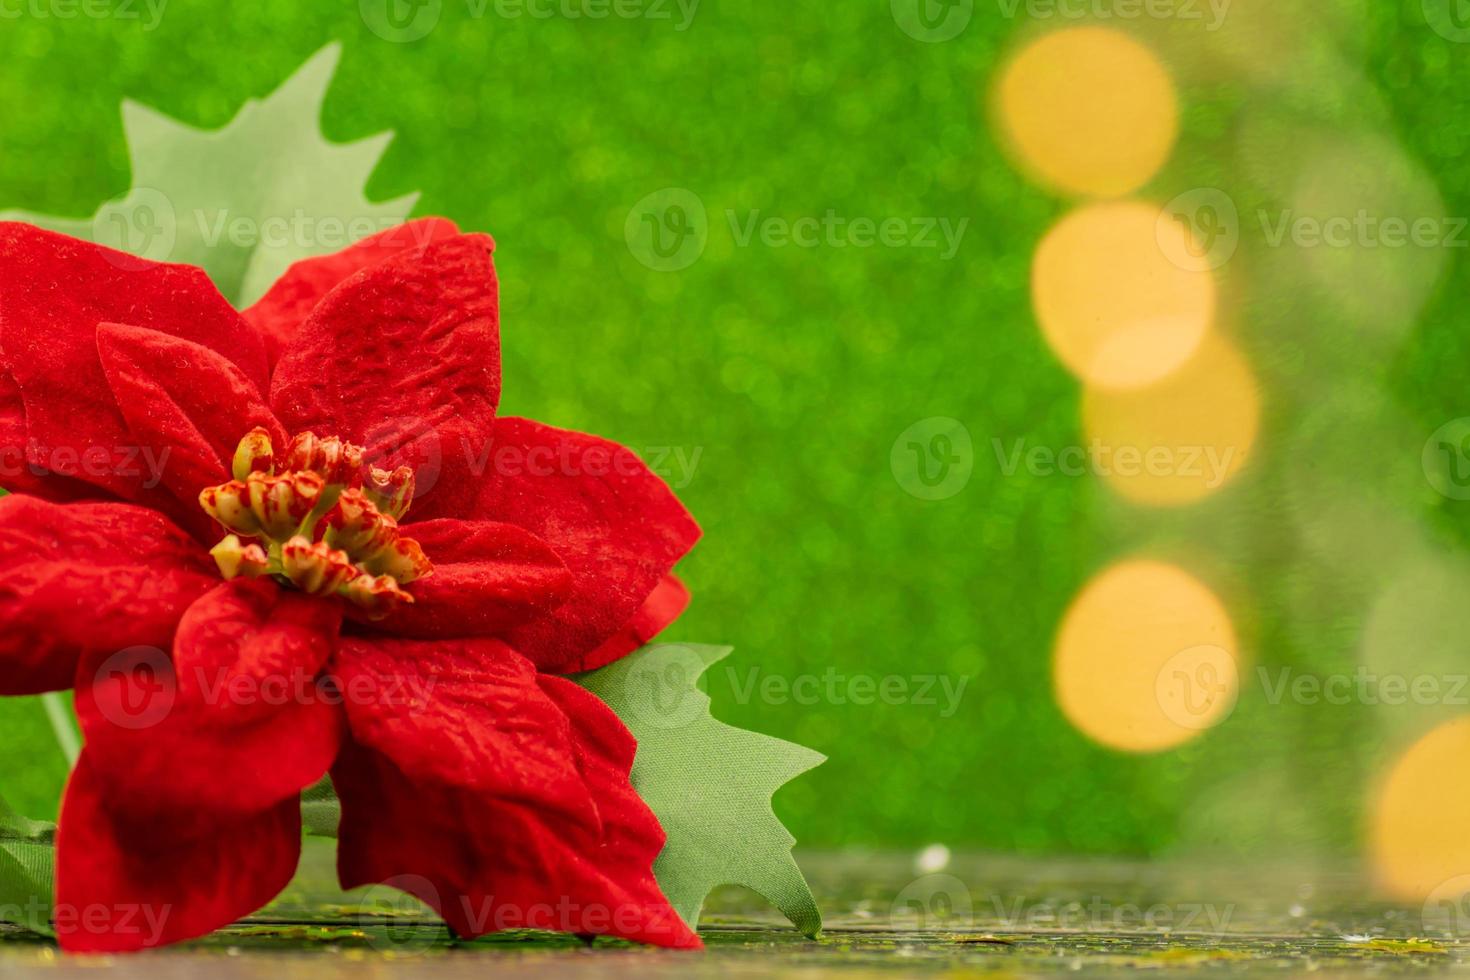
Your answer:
<point x="667" y="603"/>
<point x="618" y="527"/>
<point x="631" y="835"/>
<point x="486" y="579"/>
<point x="404" y="359"/>
<point x="479" y="802"/>
<point x="285" y="306"/>
<point x="459" y="712"/>
<point x="84" y="579"/>
<point x="125" y="884"/>
<point x="187" y="408"/>
<point x="16" y="474"/>
<point x="235" y="722"/>
<point x="57" y="290"/>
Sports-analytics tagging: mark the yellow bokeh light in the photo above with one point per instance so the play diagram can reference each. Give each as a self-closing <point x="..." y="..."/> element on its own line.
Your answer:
<point x="1420" y="848"/>
<point x="1182" y="439"/>
<point x="1146" y="658"/>
<point x="1089" y="111"/>
<point x="1112" y="305"/>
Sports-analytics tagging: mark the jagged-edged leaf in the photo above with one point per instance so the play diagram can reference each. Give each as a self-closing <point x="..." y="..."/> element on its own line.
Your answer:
<point x="710" y="784"/>
<point x="245" y="201"/>
<point x="26" y="870"/>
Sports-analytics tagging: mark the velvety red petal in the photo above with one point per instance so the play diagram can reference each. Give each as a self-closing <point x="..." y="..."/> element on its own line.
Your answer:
<point x="125" y="884"/>
<point x="403" y="358"/>
<point x="618" y="527"/>
<point x="666" y="604"/>
<point x="487" y="578"/>
<point x="459" y="712"/>
<point x="237" y="720"/>
<point x="479" y="800"/>
<point x="86" y="579"/>
<point x="187" y="408"/>
<point x="631" y="836"/>
<point x="55" y="292"/>
<point x="285" y="306"/>
<point x="17" y="474"/>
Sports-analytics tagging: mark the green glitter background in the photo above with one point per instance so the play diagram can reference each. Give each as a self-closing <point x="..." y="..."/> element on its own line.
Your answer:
<point x="792" y="371"/>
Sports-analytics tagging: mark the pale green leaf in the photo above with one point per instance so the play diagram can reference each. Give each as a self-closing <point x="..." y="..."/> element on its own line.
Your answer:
<point x="710" y="784"/>
<point x="245" y="201"/>
<point x="26" y="870"/>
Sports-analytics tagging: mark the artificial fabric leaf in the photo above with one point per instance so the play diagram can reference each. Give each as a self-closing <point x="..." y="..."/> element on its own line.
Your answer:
<point x="710" y="784"/>
<point x="245" y="201"/>
<point x="321" y="811"/>
<point x="26" y="870"/>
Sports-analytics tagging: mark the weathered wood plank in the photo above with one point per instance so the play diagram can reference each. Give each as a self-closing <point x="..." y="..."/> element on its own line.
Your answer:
<point x="979" y="915"/>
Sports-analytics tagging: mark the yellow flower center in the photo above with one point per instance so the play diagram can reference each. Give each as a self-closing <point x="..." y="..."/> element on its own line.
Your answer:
<point x="316" y="519"/>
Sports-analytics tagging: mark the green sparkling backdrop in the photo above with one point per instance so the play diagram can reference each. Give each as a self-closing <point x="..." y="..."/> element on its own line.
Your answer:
<point x="786" y="374"/>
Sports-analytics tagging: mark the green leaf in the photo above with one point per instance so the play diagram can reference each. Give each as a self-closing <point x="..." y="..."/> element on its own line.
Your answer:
<point x="36" y="763"/>
<point x="710" y="784"/>
<point x="26" y="870"/>
<point x="245" y="201"/>
<point x="321" y="811"/>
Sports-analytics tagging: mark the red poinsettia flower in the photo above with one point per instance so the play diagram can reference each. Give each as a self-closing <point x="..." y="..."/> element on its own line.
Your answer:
<point x="271" y="546"/>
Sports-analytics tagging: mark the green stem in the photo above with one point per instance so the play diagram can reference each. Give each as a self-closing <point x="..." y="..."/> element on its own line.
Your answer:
<point x="58" y="712"/>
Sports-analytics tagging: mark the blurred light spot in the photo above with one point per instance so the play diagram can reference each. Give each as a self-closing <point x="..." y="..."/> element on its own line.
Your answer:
<point x="1304" y="47"/>
<point x="1414" y="651"/>
<point x="1182" y="439"/>
<point x="1089" y="110"/>
<point x="1369" y="226"/>
<point x="1111" y="304"/>
<point x="1146" y="658"/>
<point x="1265" y="810"/>
<point x="1419" y="842"/>
<point x="932" y="859"/>
<point x="1354" y="482"/>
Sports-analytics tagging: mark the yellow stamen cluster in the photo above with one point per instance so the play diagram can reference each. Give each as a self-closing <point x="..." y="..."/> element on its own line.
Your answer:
<point x="277" y="503"/>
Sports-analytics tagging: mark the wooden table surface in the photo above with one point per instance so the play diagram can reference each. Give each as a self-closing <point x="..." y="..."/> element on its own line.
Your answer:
<point x="980" y="914"/>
